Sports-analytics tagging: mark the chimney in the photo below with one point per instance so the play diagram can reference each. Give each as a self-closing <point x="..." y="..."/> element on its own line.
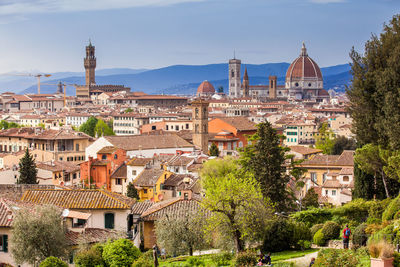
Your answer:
<point x="272" y="86"/>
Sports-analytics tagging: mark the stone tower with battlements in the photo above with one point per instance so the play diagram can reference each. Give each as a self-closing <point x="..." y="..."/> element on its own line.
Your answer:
<point x="90" y="64"/>
<point x="200" y="124"/>
<point x="234" y="78"/>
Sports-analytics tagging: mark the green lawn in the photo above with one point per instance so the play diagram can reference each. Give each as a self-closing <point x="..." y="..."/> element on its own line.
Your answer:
<point x="207" y="259"/>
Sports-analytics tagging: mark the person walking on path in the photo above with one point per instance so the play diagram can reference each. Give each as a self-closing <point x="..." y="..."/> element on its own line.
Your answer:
<point x="346" y="236"/>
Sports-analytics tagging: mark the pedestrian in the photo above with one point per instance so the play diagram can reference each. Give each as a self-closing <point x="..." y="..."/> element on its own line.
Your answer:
<point x="346" y="236"/>
<point x="267" y="258"/>
<point x="312" y="262"/>
<point x="163" y="254"/>
<point x="155" y="255"/>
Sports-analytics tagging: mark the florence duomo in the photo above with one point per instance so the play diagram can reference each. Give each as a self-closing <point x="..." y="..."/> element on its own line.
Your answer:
<point x="303" y="81"/>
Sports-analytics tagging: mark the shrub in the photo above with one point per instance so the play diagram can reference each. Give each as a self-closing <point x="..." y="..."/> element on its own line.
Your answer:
<point x="391" y="210"/>
<point x="222" y="259"/>
<point x="53" y="262"/>
<point x="381" y="249"/>
<point x="121" y="252"/>
<point x="319" y="238"/>
<point x="337" y="257"/>
<point x="304" y="244"/>
<point x="331" y="230"/>
<point x="246" y="259"/>
<point x="283" y="234"/>
<point x="91" y="257"/>
<point x="359" y="236"/>
<point x="145" y="260"/>
<point x="312" y="216"/>
<point x="356" y="210"/>
<point x="315" y="228"/>
<point x="194" y="261"/>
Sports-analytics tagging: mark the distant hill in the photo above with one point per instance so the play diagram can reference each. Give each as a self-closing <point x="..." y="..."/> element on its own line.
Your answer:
<point x="184" y="79"/>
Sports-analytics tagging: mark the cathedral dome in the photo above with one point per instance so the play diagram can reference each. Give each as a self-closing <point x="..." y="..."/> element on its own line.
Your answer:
<point x="205" y="88"/>
<point x="303" y="68"/>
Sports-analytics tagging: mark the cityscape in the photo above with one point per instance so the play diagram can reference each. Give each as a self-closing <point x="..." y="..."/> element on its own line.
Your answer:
<point x="154" y="134"/>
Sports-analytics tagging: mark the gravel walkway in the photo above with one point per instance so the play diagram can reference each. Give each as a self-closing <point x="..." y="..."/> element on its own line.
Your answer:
<point x="303" y="261"/>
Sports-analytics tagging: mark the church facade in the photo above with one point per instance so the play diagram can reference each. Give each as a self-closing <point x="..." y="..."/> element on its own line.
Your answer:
<point x="303" y="81"/>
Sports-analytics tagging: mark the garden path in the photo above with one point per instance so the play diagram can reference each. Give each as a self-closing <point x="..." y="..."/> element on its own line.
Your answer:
<point x="303" y="261"/>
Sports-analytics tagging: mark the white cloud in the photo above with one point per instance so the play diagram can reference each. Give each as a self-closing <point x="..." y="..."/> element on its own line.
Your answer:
<point x="327" y="1"/>
<point x="24" y="7"/>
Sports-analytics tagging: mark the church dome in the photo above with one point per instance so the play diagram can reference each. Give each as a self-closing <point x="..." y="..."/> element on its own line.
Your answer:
<point x="205" y="88"/>
<point x="303" y="68"/>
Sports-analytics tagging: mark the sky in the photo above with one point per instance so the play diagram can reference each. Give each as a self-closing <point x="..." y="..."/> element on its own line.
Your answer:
<point x="51" y="35"/>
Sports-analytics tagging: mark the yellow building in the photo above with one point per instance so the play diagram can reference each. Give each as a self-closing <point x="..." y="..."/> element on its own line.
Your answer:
<point x="150" y="183"/>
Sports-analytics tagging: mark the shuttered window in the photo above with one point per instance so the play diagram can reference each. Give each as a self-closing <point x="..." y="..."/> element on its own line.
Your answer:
<point x="109" y="220"/>
<point x="4" y="243"/>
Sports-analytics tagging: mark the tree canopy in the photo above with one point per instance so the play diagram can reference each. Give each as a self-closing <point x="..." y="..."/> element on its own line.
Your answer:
<point x="89" y="126"/>
<point x="213" y="151"/>
<point x="38" y="234"/>
<point x="102" y="129"/>
<point x="235" y="200"/>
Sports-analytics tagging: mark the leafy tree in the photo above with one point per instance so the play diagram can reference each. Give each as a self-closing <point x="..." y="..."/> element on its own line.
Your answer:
<point x="325" y="139"/>
<point x="27" y="169"/>
<point x="373" y="94"/>
<point x="110" y="124"/>
<point x="370" y="159"/>
<point x="234" y="198"/>
<point x="89" y="126"/>
<point x="38" y="234"/>
<point x="4" y="125"/>
<point x="220" y="89"/>
<point x="102" y="129"/>
<point x="310" y="199"/>
<point x="41" y="125"/>
<point x="181" y="235"/>
<point x="120" y="253"/>
<point x="53" y="262"/>
<point x="131" y="191"/>
<point x="343" y="143"/>
<point x="214" y="151"/>
<point x="128" y="110"/>
<point x="265" y="159"/>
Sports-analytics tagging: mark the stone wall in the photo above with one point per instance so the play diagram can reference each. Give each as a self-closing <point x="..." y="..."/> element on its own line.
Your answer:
<point x="15" y="191"/>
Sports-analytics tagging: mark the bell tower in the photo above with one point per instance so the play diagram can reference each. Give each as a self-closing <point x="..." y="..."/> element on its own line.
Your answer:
<point x="200" y="124"/>
<point x="234" y="78"/>
<point x="90" y="64"/>
<point x="246" y="84"/>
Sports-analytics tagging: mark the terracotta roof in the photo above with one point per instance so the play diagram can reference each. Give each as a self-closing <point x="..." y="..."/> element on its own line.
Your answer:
<point x="107" y="150"/>
<point x="345" y="159"/>
<point x="148" y="177"/>
<point x="331" y="184"/>
<point x="142" y="206"/>
<point x="136" y="142"/>
<point x="346" y="171"/>
<point x="240" y="123"/>
<point x="57" y="166"/>
<point x="305" y="150"/>
<point x="100" y="162"/>
<point x="5" y="212"/>
<point x="180" y="160"/>
<point x="78" y="199"/>
<point x="205" y="88"/>
<point x="174" y="208"/>
<point x="139" y="161"/>
<point x="120" y="172"/>
<point x="91" y="235"/>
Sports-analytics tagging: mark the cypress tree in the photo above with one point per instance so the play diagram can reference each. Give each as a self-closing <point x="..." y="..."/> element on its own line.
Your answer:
<point x="27" y="169"/>
<point x="265" y="158"/>
<point x="131" y="191"/>
<point x="214" y="151"/>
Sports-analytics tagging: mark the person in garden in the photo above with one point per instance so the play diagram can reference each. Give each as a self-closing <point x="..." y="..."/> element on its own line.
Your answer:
<point x="346" y="237"/>
<point x="267" y="258"/>
<point x="312" y="262"/>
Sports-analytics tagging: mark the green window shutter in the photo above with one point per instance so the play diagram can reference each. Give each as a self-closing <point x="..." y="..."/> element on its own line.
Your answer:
<point x="109" y="220"/>
<point x="5" y="243"/>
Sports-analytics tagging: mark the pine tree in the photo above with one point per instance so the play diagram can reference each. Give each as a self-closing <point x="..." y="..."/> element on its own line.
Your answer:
<point x="27" y="169"/>
<point x="131" y="191"/>
<point x="213" y="151"/>
<point x="265" y="158"/>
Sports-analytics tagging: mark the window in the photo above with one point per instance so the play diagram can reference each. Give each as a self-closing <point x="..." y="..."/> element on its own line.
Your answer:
<point x="346" y="178"/>
<point x="326" y="192"/>
<point x="4" y="243"/>
<point x="77" y="147"/>
<point x="145" y="191"/>
<point x="133" y="172"/>
<point x="109" y="220"/>
<point x="118" y="181"/>
<point x="115" y="156"/>
<point x="104" y="157"/>
<point x="314" y="177"/>
<point x="333" y="192"/>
